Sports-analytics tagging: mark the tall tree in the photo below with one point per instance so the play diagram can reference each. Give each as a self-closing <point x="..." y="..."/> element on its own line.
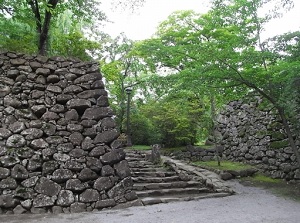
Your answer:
<point x="224" y="49"/>
<point x="121" y="70"/>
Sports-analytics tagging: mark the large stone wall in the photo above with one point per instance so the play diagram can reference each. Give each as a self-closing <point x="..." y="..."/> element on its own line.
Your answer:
<point x="254" y="135"/>
<point x="59" y="148"/>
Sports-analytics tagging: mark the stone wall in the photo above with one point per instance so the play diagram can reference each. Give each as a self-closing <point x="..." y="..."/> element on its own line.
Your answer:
<point x="254" y="135"/>
<point x="59" y="148"/>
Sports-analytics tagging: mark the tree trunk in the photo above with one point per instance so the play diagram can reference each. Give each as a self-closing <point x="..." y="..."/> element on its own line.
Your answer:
<point x="44" y="35"/>
<point x="213" y="117"/>
<point x="289" y="135"/>
<point x="43" y="41"/>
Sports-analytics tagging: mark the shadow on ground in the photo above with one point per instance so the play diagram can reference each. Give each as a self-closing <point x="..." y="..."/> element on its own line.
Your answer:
<point x="290" y="190"/>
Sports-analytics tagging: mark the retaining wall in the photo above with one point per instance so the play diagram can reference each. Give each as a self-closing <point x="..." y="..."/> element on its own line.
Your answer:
<point x="59" y="147"/>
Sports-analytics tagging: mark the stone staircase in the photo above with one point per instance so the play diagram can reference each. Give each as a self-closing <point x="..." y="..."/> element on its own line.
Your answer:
<point x="161" y="183"/>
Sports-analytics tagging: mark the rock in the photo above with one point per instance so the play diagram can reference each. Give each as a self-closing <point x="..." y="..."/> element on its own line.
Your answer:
<point x="5" y="133"/>
<point x="62" y="175"/>
<point x="103" y="183"/>
<point x="8" y="183"/>
<point x="92" y="94"/>
<point x="19" y="172"/>
<point x="30" y="182"/>
<point x="61" y="157"/>
<point x="4" y="173"/>
<point x="87" y="174"/>
<point x="8" y="201"/>
<point x="77" y="153"/>
<point x="42" y="71"/>
<point x="122" y="169"/>
<point x="48" y="116"/>
<point x="42" y="200"/>
<point x="47" y="187"/>
<point x="105" y="204"/>
<point x="57" y="210"/>
<point x="65" y="198"/>
<point x="155" y="154"/>
<point x="106" y="136"/>
<point x="88" y="78"/>
<point x="97" y="113"/>
<point x="76" y="138"/>
<point x="111" y="157"/>
<point x="120" y="188"/>
<point x="226" y="176"/>
<point x="65" y="147"/>
<point x="32" y="133"/>
<point x="16" y="141"/>
<point x="89" y="195"/>
<point x="26" y="204"/>
<point x="107" y="170"/>
<point x="9" y="161"/>
<point x="38" y="144"/>
<point x="76" y="185"/>
<point x="74" y="165"/>
<point x="54" y="140"/>
<point x="97" y="151"/>
<point x="77" y="207"/>
<point x="17" y="127"/>
<point x="94" y="164"/>
<point x="80" y="105"/>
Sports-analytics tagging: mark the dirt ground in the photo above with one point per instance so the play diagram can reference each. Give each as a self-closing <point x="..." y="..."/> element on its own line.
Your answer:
<point x="249" y="205"/>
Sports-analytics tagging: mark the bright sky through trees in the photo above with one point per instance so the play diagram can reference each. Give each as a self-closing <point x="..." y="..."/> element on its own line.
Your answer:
<point x="142" y="23"/>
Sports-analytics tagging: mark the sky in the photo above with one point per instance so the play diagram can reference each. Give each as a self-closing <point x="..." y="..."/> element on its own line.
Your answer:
<point x="143" y="22"/>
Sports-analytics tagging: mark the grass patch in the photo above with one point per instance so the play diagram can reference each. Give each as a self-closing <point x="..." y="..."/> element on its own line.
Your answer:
<point x="225" y="165"/>
<point x="264" y="179"/>
<point x="140" y="147"/>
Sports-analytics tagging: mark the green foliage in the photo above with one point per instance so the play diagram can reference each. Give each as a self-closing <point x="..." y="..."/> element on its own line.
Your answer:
<point x="223" y="50"/>
<point x="67" y="39"/>
<point x="141" y="147"/>
<point x="17" y="36"/>
<point x="143" y="131"/>
<point x="175" y="117"/>
<point x="121" y="70"/>
<point x="44" y="15"/>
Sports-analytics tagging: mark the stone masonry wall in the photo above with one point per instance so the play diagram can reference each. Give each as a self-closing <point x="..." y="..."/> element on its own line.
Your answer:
<point x="256" y="136"/>
<point x="59" y="147"/>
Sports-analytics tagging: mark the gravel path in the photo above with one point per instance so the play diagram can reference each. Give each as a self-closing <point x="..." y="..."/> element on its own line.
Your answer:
<point x="249" y="205"/>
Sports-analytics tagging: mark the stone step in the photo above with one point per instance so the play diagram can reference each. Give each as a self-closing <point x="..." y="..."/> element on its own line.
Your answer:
<point x="178" y="192"/>
<point x="157" y="200"/>
<point x="175" y="184"/>
<point x="154" y="184"/>
<point x="147" y="169"/>
<point x="154" y="174"/>
<point x="140" y="163"/>
<point x="155" y="179"/>
<point x="132" y="159"/>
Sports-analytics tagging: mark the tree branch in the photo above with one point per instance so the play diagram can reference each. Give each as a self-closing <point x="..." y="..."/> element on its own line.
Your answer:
<point x="35" y="9"/>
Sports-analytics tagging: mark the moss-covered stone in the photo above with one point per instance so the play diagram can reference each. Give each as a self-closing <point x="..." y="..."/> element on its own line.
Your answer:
<point x="274" y="126"/>
<point x="279" y="144"/>
<point x="276" y="136"/>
